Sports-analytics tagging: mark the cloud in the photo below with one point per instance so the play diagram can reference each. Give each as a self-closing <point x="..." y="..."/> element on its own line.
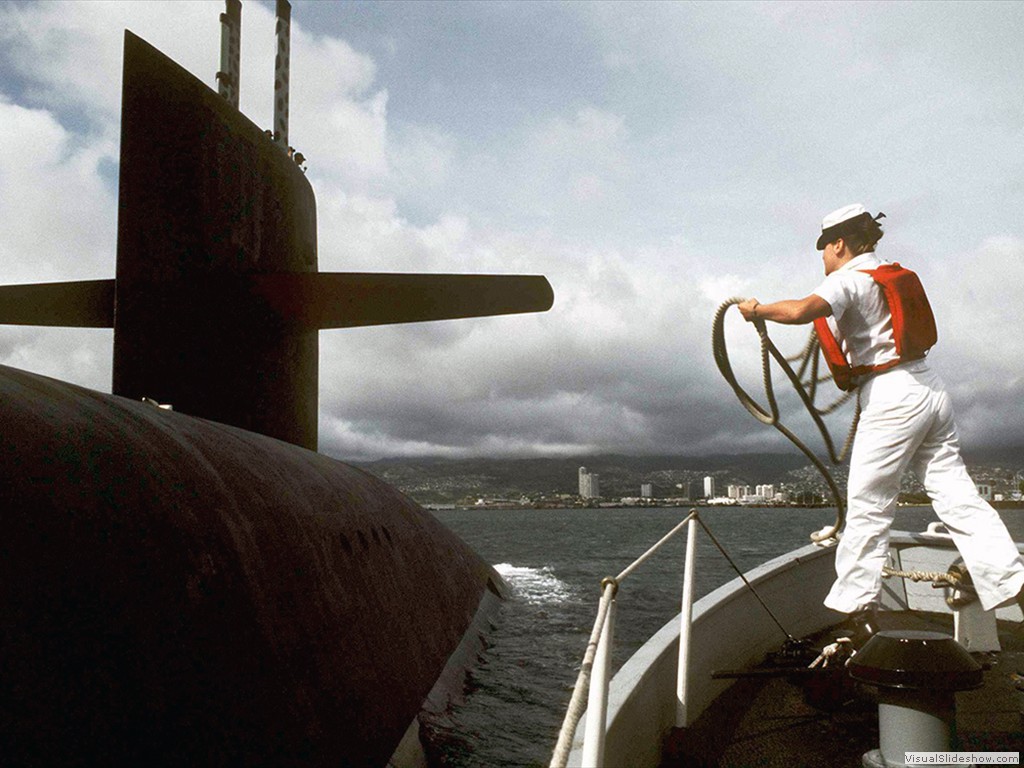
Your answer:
<point x="59" y="217"/>
<point x="594" y="373"/>
<point x="973" y="294"/>
<point x="69" y="60"/>
<point x="58" y="211"/>
<point x="679" y="155"/>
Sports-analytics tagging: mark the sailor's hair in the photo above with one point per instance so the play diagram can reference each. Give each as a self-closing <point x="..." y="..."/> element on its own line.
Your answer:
<point x="862" y="233"/>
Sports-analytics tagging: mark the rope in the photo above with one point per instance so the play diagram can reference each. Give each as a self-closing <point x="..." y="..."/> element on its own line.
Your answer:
<point x="956" y="577"/>
<point x="805" y="382"/>
<point x="576" y="705"/>
<point x="936" y="577"/>
<point x="840" y="648"/>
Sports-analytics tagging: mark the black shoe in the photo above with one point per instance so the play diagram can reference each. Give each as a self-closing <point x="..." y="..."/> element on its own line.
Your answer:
<point x="863" y="626"/>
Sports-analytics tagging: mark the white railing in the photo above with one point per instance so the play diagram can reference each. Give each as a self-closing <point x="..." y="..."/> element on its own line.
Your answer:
<point x="595" y="673"/>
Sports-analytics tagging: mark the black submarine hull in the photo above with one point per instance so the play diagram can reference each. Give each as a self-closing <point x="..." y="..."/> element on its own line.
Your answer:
<point x="178" y="591"/>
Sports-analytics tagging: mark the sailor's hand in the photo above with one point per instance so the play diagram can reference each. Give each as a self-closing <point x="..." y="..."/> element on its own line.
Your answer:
<point x="749" y="309"/>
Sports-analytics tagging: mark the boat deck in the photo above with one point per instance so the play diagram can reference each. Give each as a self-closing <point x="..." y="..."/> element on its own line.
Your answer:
<point x="767" y="721"/>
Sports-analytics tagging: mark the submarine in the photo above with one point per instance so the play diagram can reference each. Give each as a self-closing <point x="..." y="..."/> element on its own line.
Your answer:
<point x="184" y="579"/>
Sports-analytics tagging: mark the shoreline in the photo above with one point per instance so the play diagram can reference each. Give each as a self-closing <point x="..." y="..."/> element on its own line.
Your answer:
<point x="999" y="505"/>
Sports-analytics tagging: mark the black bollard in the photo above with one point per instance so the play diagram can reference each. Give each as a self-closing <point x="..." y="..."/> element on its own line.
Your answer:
<point x="917" y="675"/>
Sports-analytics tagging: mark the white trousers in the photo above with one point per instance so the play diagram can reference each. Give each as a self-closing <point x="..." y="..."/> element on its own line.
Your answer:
<point x="907" y="421"/>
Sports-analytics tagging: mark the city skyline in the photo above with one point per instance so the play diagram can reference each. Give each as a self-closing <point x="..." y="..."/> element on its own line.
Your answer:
<point x="556" y="481"/>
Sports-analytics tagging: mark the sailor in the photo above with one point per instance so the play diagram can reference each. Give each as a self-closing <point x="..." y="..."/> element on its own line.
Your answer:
<point x="906" y="422"/>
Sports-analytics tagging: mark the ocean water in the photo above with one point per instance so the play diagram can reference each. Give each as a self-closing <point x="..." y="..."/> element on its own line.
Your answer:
<point x="554" y="561"/>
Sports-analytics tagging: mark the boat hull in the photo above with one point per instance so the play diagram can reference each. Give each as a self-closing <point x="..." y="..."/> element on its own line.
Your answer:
<point x="731" y="631"/>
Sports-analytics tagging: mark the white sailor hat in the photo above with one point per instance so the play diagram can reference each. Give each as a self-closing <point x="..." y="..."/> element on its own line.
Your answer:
<point x="835" y="224"/>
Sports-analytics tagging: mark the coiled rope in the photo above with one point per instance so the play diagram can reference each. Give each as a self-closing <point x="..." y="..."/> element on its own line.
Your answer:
<point x="805" y="381"/>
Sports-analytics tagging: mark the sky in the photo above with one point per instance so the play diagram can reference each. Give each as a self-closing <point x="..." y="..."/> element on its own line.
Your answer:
<point x="651" y="159"/>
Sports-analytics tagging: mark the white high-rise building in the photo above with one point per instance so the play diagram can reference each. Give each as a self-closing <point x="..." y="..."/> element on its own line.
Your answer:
<point x="647" y="490"/>
<point x="590" y="487"/>
<point x="733" y="492"/>
<point x="709" y="487"/>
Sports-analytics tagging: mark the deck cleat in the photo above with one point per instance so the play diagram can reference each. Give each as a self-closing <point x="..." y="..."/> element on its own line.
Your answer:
<point x="792" y="652"/>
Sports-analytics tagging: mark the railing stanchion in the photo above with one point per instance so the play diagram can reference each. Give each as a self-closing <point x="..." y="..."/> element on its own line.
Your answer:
<point x="597" y="700"/>
<point x="685" y="620"/>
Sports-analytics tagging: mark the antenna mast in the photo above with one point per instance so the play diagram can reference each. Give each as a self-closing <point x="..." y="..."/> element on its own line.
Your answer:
<point x="230" y="51"/>
<point x="281" y="72"/>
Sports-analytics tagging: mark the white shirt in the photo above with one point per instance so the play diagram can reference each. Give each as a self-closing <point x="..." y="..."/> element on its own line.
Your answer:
<point x="860" y="315"/>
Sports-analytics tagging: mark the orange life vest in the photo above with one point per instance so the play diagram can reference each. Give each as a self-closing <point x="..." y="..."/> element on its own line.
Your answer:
<point x="913" y="325"/>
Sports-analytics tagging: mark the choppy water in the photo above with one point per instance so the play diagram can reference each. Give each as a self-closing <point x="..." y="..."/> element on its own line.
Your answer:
<point x="554" y="561"/>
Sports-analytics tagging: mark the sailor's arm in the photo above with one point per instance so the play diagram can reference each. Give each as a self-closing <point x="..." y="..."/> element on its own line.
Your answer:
<point x="789" y="311"/>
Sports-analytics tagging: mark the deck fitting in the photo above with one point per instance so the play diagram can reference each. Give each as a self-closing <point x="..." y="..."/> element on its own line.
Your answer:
<point x="917" y="675"/>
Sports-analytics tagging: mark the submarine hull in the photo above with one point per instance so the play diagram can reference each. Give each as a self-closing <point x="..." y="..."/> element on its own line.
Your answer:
<point x="180" y="591"/>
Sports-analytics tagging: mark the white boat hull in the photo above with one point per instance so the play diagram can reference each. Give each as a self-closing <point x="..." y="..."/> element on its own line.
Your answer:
<point x="732" y="631"/>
